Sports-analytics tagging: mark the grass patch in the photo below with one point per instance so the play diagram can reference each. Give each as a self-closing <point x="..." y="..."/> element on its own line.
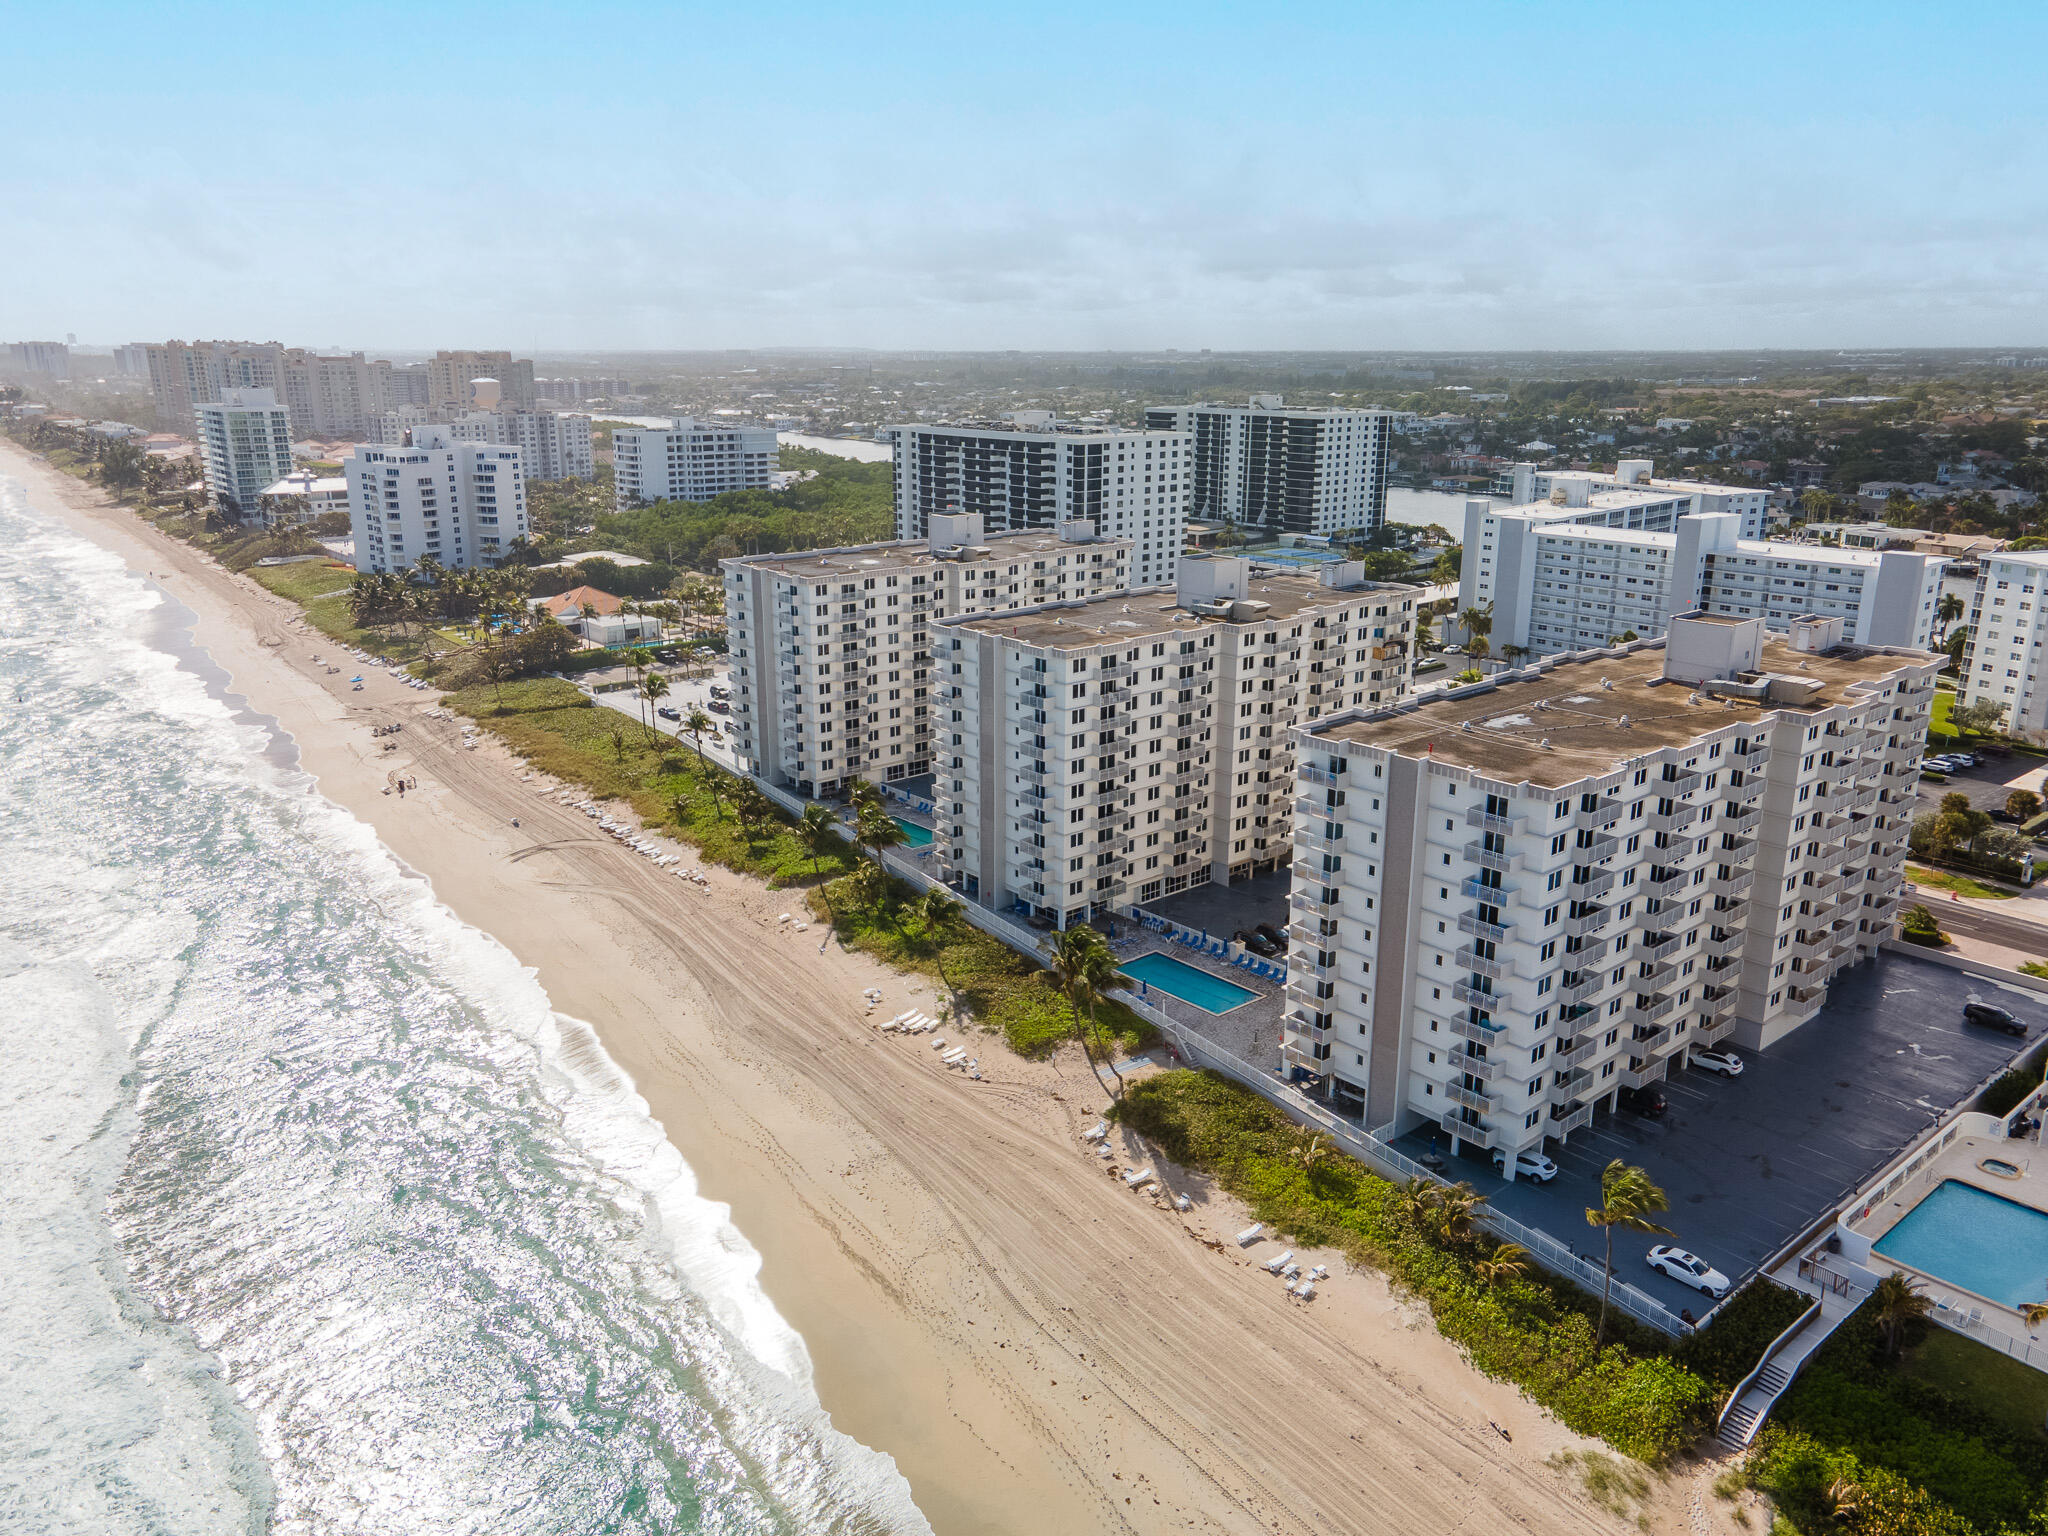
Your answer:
<point x="2008" y="1392"/>
<point x="554" y="726"/>
<point x="1961" y="885"/>
<point x="305" y="582"/>
<point x="1529" y="1329"/>
<point x="1619" y="1487"/>
<point x="2033" y="968"/>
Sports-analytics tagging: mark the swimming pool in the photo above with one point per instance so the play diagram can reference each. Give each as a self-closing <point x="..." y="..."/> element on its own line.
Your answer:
<point x="1210" y="993"/>
<point x="1984" y="1243"/>
<point x="914" y="836"/>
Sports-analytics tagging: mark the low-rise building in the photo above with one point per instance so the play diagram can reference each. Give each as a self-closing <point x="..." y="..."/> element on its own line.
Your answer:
<point x="1517" y="900"/>
<point x="302" y="497"/>
<point x="689" y="460"/>
<point x="830" y="649"/>
<point x="1125" y="747"/>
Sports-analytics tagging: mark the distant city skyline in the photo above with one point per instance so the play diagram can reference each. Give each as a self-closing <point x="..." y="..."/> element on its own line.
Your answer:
<point x="1345" y="178"/>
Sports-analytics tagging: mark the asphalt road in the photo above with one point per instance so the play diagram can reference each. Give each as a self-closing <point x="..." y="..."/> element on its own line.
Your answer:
<point x="1993" y="925"/>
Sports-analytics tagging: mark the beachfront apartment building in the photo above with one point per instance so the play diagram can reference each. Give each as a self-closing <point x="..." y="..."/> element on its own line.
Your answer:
<point x="2003" y="658"/>
<point x="186" y="375"/>
<point x="1527" y="484"/>
<point x="450" y="376"/>
<point x="1031" y="470"/>
<point x="245" y="446"/>
<point x="552" y="446"/>
<point x="1516" y="900"/>
<point x="830" y="649"/>
<point x="461" y="502"/>
<point x="1119" y="748"/>
<point x="1552" y="582"/>
<point x="1285" y="469"/>
<point x="42" y="360"/>
<point x="689" y="460"/>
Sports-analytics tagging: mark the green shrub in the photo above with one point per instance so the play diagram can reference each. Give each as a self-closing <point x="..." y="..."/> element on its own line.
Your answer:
<point x="2008" y="1088"/>
<point x="1728" y="1349"/>
<point x="1535" y="1331"/>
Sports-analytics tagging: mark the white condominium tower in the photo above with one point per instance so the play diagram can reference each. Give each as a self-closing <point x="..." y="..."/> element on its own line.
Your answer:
<point x="1514" y="901"/>
<point x="1091" y="754"/>
<point x="831" y="648"/>
<point x="1285" y="469"/>
<point x="689" y="460"/>
<point x="461" y="502"/>
<point x="245" y="443"/>
<point x="551" y="446"/>
<point x="1554" y="583"/>
<point x="183" y="376"/>
<point x="2003" y="659"/>
<point x="1752" y="506"/>
<point x="1031" y="471"/>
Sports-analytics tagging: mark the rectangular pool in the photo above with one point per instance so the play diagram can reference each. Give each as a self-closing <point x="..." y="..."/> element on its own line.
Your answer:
<point x="914" y="836"/>
<point x="1984" y="1243"/>
<point x="1210" y="993"/>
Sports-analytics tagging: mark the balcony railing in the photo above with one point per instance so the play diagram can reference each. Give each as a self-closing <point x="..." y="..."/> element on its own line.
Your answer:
<point x="1641" y="1077"/>
<point x="1476" y="852"/>
<point x="1587" y="922"/>
<point x="1469" y="959"/>
<point x="1478" y="1135"/>
<point x="1478" y="1034"/>
<point x="1473" y="1066"/>
<point x="1597" y="883"/>
<point x="1670" y="886"/>
<point x="1605" y="815"/>
<point x="1580" y="990"/>
<point x="1676" y="820"/>
<point x="1458" y="1093"/>
<point x="1573" y="1056"/>
<point x="1475" y="996"/>
<point x="1481" y="929"/>
<point x="1480" y="891"/>
<point x="1572" y="1120"/>
<point x="1478" y="816"/>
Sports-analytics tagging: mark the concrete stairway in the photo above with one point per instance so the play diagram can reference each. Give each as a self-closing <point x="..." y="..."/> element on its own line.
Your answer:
<point x="1751" y="1401"/>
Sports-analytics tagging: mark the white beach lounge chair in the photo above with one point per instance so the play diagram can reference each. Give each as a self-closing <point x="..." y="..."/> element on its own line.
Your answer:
<point x="1135" y="1179"/>
<point x="1251" y="1234"/>
<point x="1096" y="1131"/>
<point x="1278" y="1262"/>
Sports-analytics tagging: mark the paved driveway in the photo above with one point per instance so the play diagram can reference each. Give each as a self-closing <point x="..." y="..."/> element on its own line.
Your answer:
<point x="1749" y="1161"/>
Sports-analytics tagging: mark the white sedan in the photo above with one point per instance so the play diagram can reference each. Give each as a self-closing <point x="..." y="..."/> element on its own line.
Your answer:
<point x="1528" y="1165"/>
<point x="1727" y="1063"/>
<point x="1688" y="1269"/>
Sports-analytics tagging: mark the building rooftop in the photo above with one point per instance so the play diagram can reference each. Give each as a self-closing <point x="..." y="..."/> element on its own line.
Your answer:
<point x="1032" y="429"/>
<point x="1589" y="714"/>
<point x="910" y="554"/>
<point x="1148" y="612"/>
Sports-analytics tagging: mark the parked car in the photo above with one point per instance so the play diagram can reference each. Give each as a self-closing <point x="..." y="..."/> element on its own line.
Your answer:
<point x="1962" y="759"/>
<point x="1687" y="1269"/>
<point x="1993" y="1017"/>
<point x="667" y="713"/>
<point x="720" y="693"/>
<point x="1528" y="1165"/>
<point x="1273" y="936"/>
<point x="720" y="707"/>
<point x="1648" y="1100"/>
<point x="1257" y="943"/>
<point x="1727" y="1063"/>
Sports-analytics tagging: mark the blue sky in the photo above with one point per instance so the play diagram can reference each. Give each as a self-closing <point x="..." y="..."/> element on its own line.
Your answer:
<point x="892" y="175"/>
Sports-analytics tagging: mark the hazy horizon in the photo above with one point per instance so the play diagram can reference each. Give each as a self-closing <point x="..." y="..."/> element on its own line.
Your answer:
<point x="1320" y="178"/>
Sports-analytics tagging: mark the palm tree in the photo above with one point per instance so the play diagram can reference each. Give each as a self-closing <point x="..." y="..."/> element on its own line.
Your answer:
<point x="1896" y="1301"/>
<point x="750" y="806"/>
<point x="936" y="911"/>
<point x="121" y="466"/>
<point x="1456" y="1208"/>
<point x="1627" y="1197"/>
<point x="696" y="723"/>
<point x="1311" y="1148"/>
<point x="1508" y="1261"/>
<point x="1844" y="1499"/>
<point x="879" y="830"/>
<point x="817" y="831"/>
<point x="652" y="687"/>
<point x="1948" y="610"/>
<point x="2035" y="1313"/>
<point x="1082" y="967"/>
<point x="1478" y="622"/>
<point x="1418" y="1198"/>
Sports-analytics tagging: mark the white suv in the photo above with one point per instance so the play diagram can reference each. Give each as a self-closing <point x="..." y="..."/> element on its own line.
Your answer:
<point x="1528" y="1165"/>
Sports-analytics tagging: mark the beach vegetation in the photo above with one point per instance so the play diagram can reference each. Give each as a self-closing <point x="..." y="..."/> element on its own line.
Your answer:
<point x="1516" y="1322"/>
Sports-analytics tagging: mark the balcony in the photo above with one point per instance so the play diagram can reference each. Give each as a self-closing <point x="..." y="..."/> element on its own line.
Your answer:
<point x="1473" y="1066"/>
<point x="1641" y="1077"/>
<point x="1469" y="959"/>
<point x="1566" y="1059"/>
<point x="1458" y="1093"/>
<point x="1587" y="922"/>
<point x="1589" y="952"/>
<point x="1605" y="815"/>
<point x="1478" y="1135"/>
<point x="1740" y="822"/>
<point x="1663" y="949"/>
<point x="1311" y="901"/>
<point x="1479" y="891"/>
<point x="1676" y="820"/>
<point x="1715" y="1029"/>
<point x="1733" y="883"/>
<point x="1475" y="997"/>
<point x="1322" y="776"/>
<point x="1480" y="929"/>
<point x="1749" y="791"/>
<point x="1565" y="1124"/>
<point x="1478" y="1034"/>
<point x="1597" y="849"/>
<point x="1582" y="989"/>
<point x="1485" y="821"/>
<point x="1597" y="883"/>
<point x="1476" y="852"/>
<point x="1670" y="887"/>
<point x="1807" y="993"/>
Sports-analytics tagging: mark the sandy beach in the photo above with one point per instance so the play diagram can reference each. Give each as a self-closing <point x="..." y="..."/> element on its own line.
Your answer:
<point x="1040" y="1350"/>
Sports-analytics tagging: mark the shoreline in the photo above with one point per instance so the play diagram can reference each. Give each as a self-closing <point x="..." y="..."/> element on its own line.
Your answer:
<point x="1036" y="1348"/>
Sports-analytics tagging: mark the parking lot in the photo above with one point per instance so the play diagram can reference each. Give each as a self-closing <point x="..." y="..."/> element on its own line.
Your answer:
<point x="1747" y="1162"/>
<point x="684" y="694"/>
<point x="1987" y="784"/>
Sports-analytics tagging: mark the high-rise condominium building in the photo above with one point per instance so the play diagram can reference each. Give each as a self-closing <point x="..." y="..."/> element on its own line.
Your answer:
<point x="1095" y="753"/>
<point x="1285" y="469"/>
<point x="1032" y="471"/>
<point x="1552" y="583"/>
<point x="185" y="375"/>
<point x="1514" y="901"/>
<point x="551" y="447"/>
<point x="36" y="359"/>
<point x="329" y="396"/>
<point x="2003" y="658"/>
<point x="831" y="649"/>
<point x="1530" y="484"/>
<point x="132" y="361"/>
<point x="689" y="460"/>
<point x="450" y="374"/>
<point x="461" y="502"/>
<point x="245" y="444"/>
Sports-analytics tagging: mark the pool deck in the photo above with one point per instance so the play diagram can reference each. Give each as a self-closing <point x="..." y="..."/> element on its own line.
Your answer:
<point x="1958" y="1162"/>
<point x="1250" y="1031"/>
